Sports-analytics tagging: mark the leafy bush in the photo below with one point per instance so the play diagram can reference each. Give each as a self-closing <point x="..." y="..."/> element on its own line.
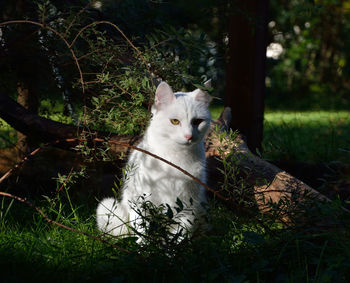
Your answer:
<point x="312" y="70"/>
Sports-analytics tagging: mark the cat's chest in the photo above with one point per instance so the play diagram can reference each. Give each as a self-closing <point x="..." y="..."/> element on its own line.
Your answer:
<point x="184" y="160"/>
<point x="192" y="161"/>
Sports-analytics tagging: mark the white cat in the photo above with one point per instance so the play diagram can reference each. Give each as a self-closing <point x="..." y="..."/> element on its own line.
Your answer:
<point x="176" y="132"/>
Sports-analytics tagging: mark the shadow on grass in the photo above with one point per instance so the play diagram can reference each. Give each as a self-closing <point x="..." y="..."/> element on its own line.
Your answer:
<point x="236" y="251"/>
<point x="313" y="146"/>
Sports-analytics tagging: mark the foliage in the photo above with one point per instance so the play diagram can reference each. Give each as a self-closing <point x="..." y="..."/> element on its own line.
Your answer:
<point x="107" y="76"/>
<point x="313" y="69"/>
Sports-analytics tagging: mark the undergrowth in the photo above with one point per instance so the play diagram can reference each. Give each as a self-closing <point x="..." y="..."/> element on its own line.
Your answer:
<point x="238" y="249"/>
<point x="242" y="245"/>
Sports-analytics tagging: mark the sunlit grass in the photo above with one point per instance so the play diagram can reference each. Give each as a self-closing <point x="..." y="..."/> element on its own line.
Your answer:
<point x="328" y="118"/>
<point x="308" y="136"/>
<point x="320" y="136"/>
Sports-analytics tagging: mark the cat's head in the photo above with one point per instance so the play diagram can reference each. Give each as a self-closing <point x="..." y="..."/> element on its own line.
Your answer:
<point x="182" y="117"/>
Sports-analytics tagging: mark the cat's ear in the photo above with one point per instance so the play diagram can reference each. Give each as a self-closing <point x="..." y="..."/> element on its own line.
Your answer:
<point x="164" y="95"/>
<point x="202" y="96"/>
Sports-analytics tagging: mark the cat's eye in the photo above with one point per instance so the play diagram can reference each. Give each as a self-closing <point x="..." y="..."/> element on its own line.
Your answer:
<point x="196" y="122"/>
<point x="175" y="121"/>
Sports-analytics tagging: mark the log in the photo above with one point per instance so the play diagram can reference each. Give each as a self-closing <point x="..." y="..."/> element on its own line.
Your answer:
<point x="46" y="130"/>
<point x="269" y="184"/>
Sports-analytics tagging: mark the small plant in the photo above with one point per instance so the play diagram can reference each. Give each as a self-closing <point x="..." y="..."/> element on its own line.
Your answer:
<point x="233" y="183"/>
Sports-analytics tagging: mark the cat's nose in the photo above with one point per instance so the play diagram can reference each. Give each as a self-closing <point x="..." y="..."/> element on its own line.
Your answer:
<point x="188" y="137"/>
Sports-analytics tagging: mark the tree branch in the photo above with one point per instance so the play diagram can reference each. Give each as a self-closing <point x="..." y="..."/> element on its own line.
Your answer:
<point x="33" y="125"/>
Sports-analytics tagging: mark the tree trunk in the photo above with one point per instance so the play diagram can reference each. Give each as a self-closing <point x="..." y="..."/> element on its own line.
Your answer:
<point x="28" y="100"/>
<point x="245" y="72"/>
<point x="23" y="51"/>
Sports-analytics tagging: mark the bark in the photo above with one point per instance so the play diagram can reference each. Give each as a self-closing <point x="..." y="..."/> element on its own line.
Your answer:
<point x="245" y="71"/>
<point x="270" y="186"/>
<point x="29" y="123"/>
<point x="268" y="182"/>
<point x="27" y="98"/>
<point x="22" y="51"/>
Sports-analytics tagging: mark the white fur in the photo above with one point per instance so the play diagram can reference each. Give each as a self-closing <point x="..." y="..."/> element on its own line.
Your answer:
<point x="159" y="182"/>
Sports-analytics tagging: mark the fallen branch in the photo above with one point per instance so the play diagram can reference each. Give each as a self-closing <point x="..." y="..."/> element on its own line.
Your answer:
<point x="271" y="185"/>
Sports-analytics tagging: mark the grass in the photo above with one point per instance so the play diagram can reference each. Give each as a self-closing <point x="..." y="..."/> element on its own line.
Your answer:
<point x="314" y="136"/>
<point x="307" y="136"/>
<point x="238" y="249"/>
